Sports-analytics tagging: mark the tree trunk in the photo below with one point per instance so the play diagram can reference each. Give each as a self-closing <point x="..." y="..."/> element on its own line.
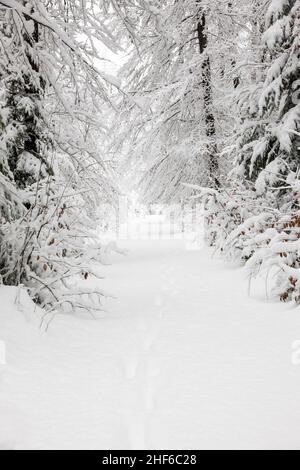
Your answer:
<point x="209" y="118"/>
<point x="236" y="79"/>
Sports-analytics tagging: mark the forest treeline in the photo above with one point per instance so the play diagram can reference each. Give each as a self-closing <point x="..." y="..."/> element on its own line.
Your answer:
<point x="205" y="105"/>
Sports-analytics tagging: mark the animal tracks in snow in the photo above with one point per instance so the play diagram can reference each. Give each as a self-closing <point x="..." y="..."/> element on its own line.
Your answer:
<point x="152" y="385"/>
<point x="136" y="431"/>
<point x="131" y="362"/>
<point x="141" y="368"/>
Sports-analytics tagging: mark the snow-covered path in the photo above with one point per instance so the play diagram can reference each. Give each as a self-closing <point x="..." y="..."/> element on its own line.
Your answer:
<point x="183" y="359"/>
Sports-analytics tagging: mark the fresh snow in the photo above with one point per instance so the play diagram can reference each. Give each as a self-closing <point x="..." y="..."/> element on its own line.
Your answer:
<point x="182" y="358"/>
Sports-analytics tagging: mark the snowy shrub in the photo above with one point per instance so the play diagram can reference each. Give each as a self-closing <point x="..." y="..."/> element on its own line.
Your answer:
<point x="249" y="229"/>
<point x="51" y="251"/>
<point x="222" y="215"/>
<point x="226" y="212"/>
<point x="278" y="247"/>
<point x="264" y="239"/>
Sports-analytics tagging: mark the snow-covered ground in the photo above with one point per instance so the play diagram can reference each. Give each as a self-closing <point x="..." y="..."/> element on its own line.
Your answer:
<point x="183" y="358"/>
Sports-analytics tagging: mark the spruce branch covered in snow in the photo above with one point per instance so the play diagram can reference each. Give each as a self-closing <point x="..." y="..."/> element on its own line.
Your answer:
<point x="268" y="147"/>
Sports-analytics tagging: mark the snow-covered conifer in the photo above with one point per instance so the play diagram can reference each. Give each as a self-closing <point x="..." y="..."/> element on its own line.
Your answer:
<point x="269" y="143"/>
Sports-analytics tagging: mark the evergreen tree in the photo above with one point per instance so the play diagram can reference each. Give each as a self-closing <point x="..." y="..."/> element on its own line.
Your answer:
<point x="268" y="148"/>
<point x="25" y="135"/>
